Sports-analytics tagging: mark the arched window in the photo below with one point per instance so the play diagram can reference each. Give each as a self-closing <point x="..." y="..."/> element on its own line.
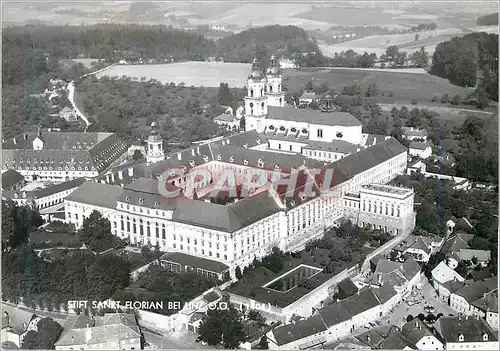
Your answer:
<point x="251" y="92"/>
<point x="262" y="105"/>
<point x="399" y="212"/>
<point x="281" y="100"/>
<point x="270" y="88"/>
<point x="251" y="104"/>
<point x="279" y="88"/>
<point x="386" y="210"/>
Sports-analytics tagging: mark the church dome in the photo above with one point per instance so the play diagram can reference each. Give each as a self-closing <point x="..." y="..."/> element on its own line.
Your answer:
<point x="274" y="67"/>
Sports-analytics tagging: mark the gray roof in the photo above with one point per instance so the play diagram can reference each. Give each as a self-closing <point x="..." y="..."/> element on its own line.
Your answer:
<point x="48" y="191"/>
<point x="226" y="117"/>
<point x="195" y="262"/>
<point x="453" y="285"/>
<point x="348" y="287"/>
<point x="489" y="302"/>
<point x="409" y="131"/>
<point x="481" y="255"/>
<point x="308" y="95"/>
<point x="373" y="139"/>
<point x="144" y="192"/>
<point x="341" y="311"/>
<point x="478" y="289"/>
<point x="419" y="145"/>
<point x="312" y="116"/>
<point x="301" y="329"/>
<point x="472" y="328"/>
<point x="396" y="341"/>
<point x="359" y="162"/>
<point x="16" y="318"/>
<point x="384" y="293"/>
<point x="456" y="243"/>
<point x="245" y="140"/>
<point x="226" y="218"/>
<point x="75" y="150"/>
<point x="373" y="337"/>
<point x="102" y="195"/>
<point x="112" y="328"/>
<point x="11" y="178"/>
<point x="415" y="330"/>
<point x="339" y="146"/>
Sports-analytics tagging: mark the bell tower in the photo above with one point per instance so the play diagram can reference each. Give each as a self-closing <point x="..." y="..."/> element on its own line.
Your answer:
<point x="155" y="152"/>
<point x="274" y="77"/>
<point x="256" y="99"/>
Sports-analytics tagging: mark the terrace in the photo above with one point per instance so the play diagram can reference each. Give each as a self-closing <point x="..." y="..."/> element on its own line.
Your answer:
<point x="293" y="278"/>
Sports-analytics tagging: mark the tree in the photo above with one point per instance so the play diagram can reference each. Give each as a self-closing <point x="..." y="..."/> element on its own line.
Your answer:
<point x="17" y="224"/>
<point x="96" y="232"/>
<point x="445" y="98"/>
<point x="409" y="318"/>
<point x="224" y="95"/>
<point x="238" y="273"/>
<point x="137" y="155"/>
<point x="421" y="316"/>
<point x="263" y="343"/>
<point x="256" y="316"/>
<point x="417" y="37"/>
<point x="456" y="100"/>
<point x="46" y="336"/>
<point x="391" y="53"/>
<point x="222" y="327"/>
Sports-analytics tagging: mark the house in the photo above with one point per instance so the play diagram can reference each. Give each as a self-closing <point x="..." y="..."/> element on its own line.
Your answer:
<point x="441" y="274"/>
<point x="16" y="323"/>
<point x="465" y="332"/>
<point x="449" y="288"/>
<point x="418" y="247"/>
<point x="228" y="120"/>
<point x="446" y="159"/>
<point x="401" y="276"/>
<point x="483" y="257"/>
<point x="68" y="114"/>
<point x="487" y="306"/>
<point x="420" y="149"/>
<point x="287" y="63"/>
<point x="113" y="331"/>
<point x="463" y="299"/>
<point x="417" y="134"/>
<point x="307" y="97"/>
<point x="452" y="246"/>
<point x="416" y="166"/>
<point x="12" y="180"/>
<point x="299" y="335"/>
<point x="346" y="288"/>
<point x="179" y="262"/>
<point x="372" y="338"/>
<point x="396" y="341"/>
<point x="420" y="335"/>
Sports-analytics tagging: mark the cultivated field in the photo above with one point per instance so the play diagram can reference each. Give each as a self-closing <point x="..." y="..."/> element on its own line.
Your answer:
<point x="404" y="87"/>
<point x="206" y="74"/>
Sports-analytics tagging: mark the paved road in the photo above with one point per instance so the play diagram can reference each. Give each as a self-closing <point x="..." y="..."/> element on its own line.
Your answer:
<point x="183" y="340"/>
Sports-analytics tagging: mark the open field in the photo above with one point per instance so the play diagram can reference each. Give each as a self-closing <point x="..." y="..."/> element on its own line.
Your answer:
<point x="379" y="43"/>
<point x="405" y="87"/>
<point x="206" y="74"/>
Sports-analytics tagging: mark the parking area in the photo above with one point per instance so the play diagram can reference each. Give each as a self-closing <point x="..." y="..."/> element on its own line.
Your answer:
<point x="424" y="297"/>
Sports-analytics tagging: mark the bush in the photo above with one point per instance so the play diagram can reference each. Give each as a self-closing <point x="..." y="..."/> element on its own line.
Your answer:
<point x="434" y="98"/>
<point x="445" y="99"/>
<point x="390" y="94"/>
<point x="414" y="102"/>
<point x="409" y="318"/>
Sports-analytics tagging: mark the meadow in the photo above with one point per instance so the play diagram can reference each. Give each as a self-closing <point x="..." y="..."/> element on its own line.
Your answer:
<point x="206" y="74"/>
<point x="404" y="87"/>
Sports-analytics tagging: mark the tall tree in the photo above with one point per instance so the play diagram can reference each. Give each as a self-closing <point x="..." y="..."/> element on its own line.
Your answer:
<point x="222" y="327"/>
<point x="46" y="336"/>
<point x="224" y="96"/>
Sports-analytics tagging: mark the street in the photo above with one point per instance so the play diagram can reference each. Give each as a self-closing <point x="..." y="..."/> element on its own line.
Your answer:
<point x="179" y="340"/>
<point x="427" y="297"/>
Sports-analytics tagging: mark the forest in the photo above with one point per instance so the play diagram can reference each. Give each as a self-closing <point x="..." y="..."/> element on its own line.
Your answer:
<point x="488" y="20"/>
<point x="465" y="60"/>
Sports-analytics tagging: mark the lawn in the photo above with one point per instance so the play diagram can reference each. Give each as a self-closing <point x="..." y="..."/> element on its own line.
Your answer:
<point x="206" y="74"/>
<point x="404" y="87"/>
<point x="332" y="254"/>
<point x="54" y="235"/>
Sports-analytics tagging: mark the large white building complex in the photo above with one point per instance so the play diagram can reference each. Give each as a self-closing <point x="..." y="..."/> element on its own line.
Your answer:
<point x="343" y="170"/>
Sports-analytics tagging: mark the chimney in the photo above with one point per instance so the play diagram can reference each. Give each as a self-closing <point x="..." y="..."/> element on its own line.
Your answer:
<point x="368" y="338"/>
<point x="6" y="316"/>
<point x="179" y="156"/>
<point x="380" y="278"/>
<point x="466" y="317"/>
<point x="198" y="150"/>
<point x="358" y="149"/>
<point x="192" y="152"/>
<point x="120" y="174"/>
<point x="130" y="172"/>
<point x="14" y="140"/>
<point x="25" y="136"/>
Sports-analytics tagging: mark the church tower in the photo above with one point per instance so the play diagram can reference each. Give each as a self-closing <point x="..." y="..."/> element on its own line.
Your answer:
<point x="275" y="94"/>
<point x="256" y="99"/>
<point x="154" y="152"/>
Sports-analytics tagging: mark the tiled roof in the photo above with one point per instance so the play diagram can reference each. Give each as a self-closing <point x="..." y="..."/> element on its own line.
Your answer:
<point x="472" y="329"/>
<point x="396" y="341"/>
<point x="245" y="140"/>
<point x="144" y="192"/>
<point x="481" y="255"/>
<point x="456" y="243"/>
<point x="453" y="285"/>
<point x="62" y="141"/>
<point x="226" y="117"/>
<point x="308" y="95"/>
<point x="102" y="195"/>
<point x="299" y="330"/>
<point x="11" y="178"/>
<point x="372" y="139"/>
<point x="408" y="131"/>
<point x="195" y="262"/>
<point x="442" y="273"/>
<point x="312" y="116"/>
<point x="353" y="164"/>
<point x="16" y="318"/>
<point x="342" y="311"/>
<point x="348" y="287"/>
<point x="384" y="293"/>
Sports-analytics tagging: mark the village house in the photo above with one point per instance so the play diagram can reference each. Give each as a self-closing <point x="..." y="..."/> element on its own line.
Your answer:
<point x="478" y="257"/>
<point x="16" y="323"/>
<point x="421" y="335"/>
<point x="68" y="114"/>
<point x="113" y="331"/>
<point x="418" y="247"/>
<point x="463" y="300"/>
<point x="466" y="333"/>
<point x="298" y="335"/>
<point x="452" y="246"/>
<point x="401" y="276"/>
<point x="417" y="134"/>
<point x="307" y="97"/>
<point x="420" y="149"/>
<point x="441" y="274"/>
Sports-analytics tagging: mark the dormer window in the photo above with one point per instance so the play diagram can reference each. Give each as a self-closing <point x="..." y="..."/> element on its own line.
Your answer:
<point x="460" y="337"/>
<point x="127" y="198"/>
<point x="282" y="128"/>
<point x="339" y="135"/>
<point x="271" y="127"/>
<point x="141" y="200"/>
<point x="304" y="131"/>
<point x="485" y="336"/>
<point x="293" y="130"/>
<point x="156" y="204"/>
